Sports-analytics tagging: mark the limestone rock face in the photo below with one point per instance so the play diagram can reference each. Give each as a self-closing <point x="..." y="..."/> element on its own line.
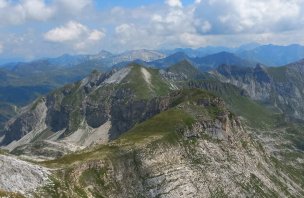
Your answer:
<point x="211" y="157"/>
<point x="19" y="176"/>
<point x="121" y="97"/>
<point x="280" y="87"/>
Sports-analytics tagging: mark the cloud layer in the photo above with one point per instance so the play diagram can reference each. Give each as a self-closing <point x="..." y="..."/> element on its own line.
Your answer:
<point x="78" y="26"/>
<point x="1" y="48"/>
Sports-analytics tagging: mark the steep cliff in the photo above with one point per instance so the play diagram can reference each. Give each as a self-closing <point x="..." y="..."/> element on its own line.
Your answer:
<point x="196" y="148"/>
<point x="280" y="87"/>
<point x="95" y="110"/>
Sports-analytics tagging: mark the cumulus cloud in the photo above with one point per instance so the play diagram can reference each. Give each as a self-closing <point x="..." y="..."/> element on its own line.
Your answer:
<point x="169" y="24"/>
<point x="174" y="3"/>
<point x="37" y="10"/>
<point x="69" y="32"/>
<point x="126" y="34"/>
<point x="210" y="22"/>
<point x="96" y="35"/>
<point x="74" y="33"/>
<point x="172" y="25"/>
<point x="16" y="13"/>
<point x="206" y="22"/>
<point x="251" y="16"/>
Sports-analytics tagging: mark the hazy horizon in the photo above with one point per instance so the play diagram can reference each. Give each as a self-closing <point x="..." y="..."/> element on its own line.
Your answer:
<point x="32" y="29"/>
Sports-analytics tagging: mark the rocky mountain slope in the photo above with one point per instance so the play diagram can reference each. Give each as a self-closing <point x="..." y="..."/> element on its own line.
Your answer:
<point x="280" y="87"/>
<point x="169" y="60"/>
<point x="203" y="63"/>
<point x="21" y="177"/>
<point x="101" y="105"/>
<point x="214" y="60"/>
<point x="143" y="132"/>
<point x="21" y="83"/>
<point x="196" y="148"/>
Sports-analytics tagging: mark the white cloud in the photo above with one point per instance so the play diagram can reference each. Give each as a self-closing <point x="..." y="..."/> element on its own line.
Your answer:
<point x="17" y="13"/>
<point x="1" y="48"/>
<point x="75" y="34"/>
<point x="207" y="22"/>
<point x="37" y="10"/>
<point x="205" y="26"/>
<point x="3" y="3"/>
<point x="74" y="6"/>
<point x="96" y="35"/>
<point x="192" y="40"/>
<point x="249" y="16"/>
<point x="71" y="31"/>
<point x="174" y="3"/>
<point x="128" y="33"/>
<point x="170" y="24"/>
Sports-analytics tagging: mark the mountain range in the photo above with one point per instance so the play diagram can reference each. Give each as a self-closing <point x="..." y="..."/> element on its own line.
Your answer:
<point x="271" y="55"/>
<point x="22" y="82"/>
<point x="151" y="124"/>
<point x="137" y="131"/>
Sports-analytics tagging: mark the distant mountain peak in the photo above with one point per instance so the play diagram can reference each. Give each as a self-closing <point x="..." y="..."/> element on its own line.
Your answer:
<point x="102" y="55"/>
<point x="185" y="69"/>
<point x="182" y="64"/>
<point x="181" y="54"/>
<point x="226" y="58"/>
<point x="145" y="55"/>
<point x="274" y="55"/>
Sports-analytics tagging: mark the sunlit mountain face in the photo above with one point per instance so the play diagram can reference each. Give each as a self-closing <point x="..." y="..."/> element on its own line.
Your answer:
<point x="165" y="98"/>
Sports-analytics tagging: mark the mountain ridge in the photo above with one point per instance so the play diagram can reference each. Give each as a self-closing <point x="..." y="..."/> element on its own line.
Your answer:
<point x="136" y="131"/>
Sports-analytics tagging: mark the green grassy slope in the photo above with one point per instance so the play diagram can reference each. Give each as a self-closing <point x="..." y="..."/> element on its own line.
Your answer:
<point x="257" y="115"/>
<point x="143" y="90"/>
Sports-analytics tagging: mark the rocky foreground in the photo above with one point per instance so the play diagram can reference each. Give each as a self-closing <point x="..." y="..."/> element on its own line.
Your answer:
<point x="20" y="176"/>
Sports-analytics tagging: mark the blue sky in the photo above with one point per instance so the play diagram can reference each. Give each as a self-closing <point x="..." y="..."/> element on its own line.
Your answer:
<point x="46" y="28"/>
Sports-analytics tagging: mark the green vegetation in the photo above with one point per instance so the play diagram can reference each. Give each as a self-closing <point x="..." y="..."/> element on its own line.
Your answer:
<point x="295" y="173"/>
<point x="164" y="124"/>
<point x="218" y="193"/>
<point x="35" y="104"/>
<point x="74" y="95"/>
<point x="97" y="177"/>
<point x="10" y="194"/>
<point x="184" y="67"/>
<point x="135" y="81"/>
<point x="100" y="152"/>
<point x="3" y="152"/>
<point x="159" y="86"/>
<point x="278" y="73"/>
<point x="75" y="119"/>
<point x="258" y="188"/>
<point x="295" y="134"/>
<point x="257" y="115"/>
<point x="142" y="89"/>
